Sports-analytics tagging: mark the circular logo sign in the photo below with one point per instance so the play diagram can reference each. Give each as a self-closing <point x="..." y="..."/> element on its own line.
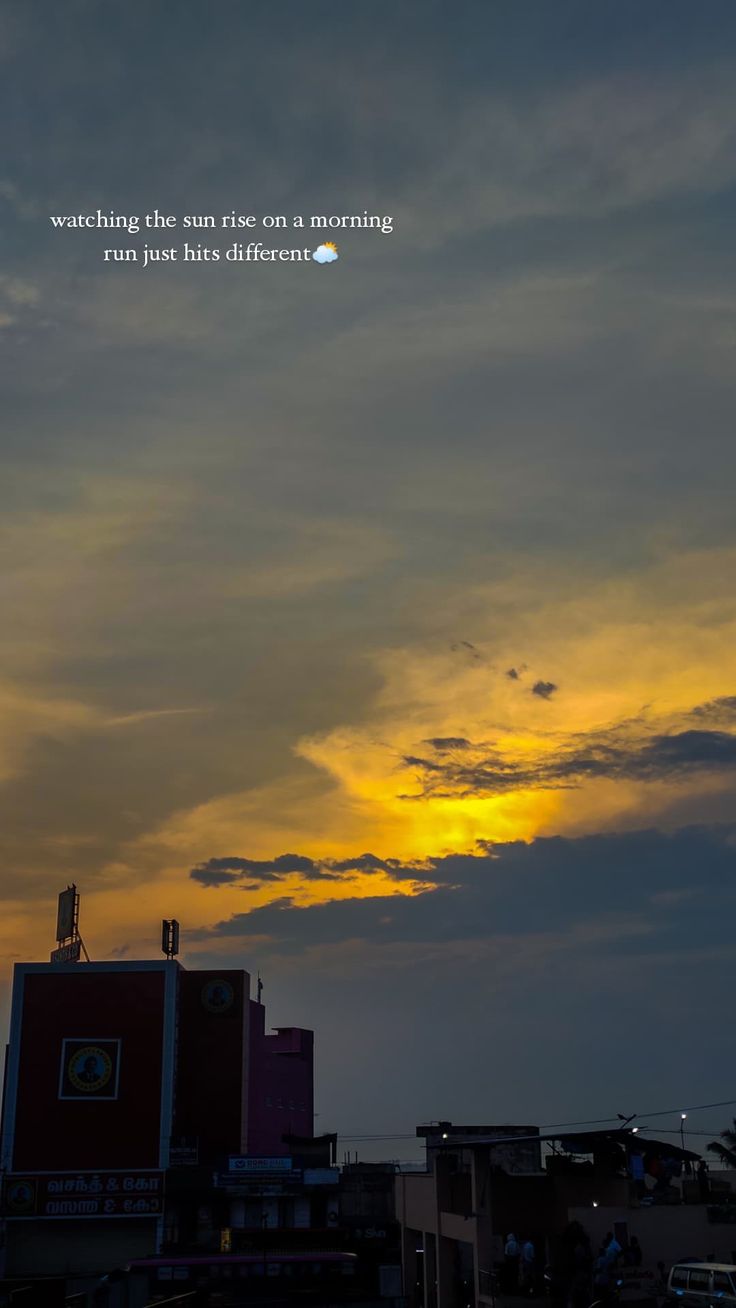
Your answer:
<point x="217" y="996"/>
<point x="20" y="1196"/>
<point x="89" y="1069"/>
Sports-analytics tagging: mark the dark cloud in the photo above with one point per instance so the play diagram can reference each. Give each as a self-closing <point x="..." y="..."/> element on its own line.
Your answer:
<point x="208" y="876"/>
<point x="251" y="873"/>
<point x="466" y="647"/>
<point x="224" y="871"/>
<point x="426" y="765"/>
<point x="683" y="752"/>
<point x="442" y="743"/>
<point x="716" y="709"/>
<point x="547" y="948"/>
<point x="622" y="888"/>
<point x="369" y="863"/>
<point x="673" y="756"/>
<point x="545" y="689"/>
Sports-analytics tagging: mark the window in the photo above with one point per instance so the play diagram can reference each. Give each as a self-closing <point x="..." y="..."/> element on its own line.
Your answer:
<point x="722" y="1283"/>
<point x="699" y="1281"/>
<point x="679" y="1278"/>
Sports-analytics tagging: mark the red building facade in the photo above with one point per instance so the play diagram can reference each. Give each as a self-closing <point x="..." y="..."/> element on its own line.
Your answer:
<point x="117" y="1071"/>
<point x="91" y="1067"/>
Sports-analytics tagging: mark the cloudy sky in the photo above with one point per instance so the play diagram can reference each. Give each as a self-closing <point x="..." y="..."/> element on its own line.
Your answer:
<point x="377" y="620"/>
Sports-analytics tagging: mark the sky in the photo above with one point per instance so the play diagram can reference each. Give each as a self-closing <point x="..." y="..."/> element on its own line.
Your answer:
<point x="377" y="619"/>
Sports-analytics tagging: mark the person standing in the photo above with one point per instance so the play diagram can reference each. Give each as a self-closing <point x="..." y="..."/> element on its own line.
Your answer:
<point x="579" y="1264"/>
<point x="602" y="1275"/>
<point x="612" y="1249"/>
<point x="528" y="1260"/>
<point x="511" y="1260"/>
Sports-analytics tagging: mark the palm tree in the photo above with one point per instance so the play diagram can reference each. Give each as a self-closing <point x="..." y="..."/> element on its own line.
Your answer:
<point x="726" y="1152"/>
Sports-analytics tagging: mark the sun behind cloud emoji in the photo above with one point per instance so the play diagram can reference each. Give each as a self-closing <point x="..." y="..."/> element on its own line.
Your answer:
<point x="326" y="253"/>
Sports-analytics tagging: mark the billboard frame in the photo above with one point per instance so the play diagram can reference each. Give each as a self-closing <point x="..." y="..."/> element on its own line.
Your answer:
<point x="67" y="914"/>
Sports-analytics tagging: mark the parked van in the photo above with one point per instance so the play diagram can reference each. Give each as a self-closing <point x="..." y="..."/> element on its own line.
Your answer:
<point x="701" y="1284"/>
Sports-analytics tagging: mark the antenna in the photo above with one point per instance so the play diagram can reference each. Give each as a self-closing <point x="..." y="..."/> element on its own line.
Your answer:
<point x="259" y="988"/>
<point x="170" y="937"/>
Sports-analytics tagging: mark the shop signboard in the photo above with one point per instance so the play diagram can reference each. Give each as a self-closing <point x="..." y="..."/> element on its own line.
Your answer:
<point x="83" y="1194"/>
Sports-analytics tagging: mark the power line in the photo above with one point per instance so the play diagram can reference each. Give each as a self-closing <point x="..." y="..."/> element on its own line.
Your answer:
<point x="671" y="1130"/>
<point x="364" y="1137"/>
<point x="694" y="1108"/>
<point x="660" y="1112"/>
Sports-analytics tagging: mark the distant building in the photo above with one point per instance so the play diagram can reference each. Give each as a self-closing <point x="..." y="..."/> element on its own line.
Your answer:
<point x="482" y="1183"/>
<point x="280" y="1086"/>
<point x="517" y="1151"/>
<point x="450" y="1242"/>
<point x="368" y="1218"/>
<point x="120" y="1077"/>
<point x="315" y="1232"/>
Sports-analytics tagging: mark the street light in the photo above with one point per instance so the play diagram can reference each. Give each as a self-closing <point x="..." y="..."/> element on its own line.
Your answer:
<point x="683" y="1117"/>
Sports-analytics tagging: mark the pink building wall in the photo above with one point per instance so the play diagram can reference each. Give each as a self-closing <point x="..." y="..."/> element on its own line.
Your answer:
<point x="280" y="1085"/>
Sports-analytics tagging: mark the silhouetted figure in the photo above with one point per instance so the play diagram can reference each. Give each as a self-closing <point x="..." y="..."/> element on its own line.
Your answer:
<point x="635" y="1255"/>
<point x="553" y="1278"/>
<point x="528" y="1261"/>
<point x="612" y="1249"/>
<point x="571" y="1268"/>
<point x="602" y="1274"/>
<point x="511" y="1260"/>
<point x="703" y="1181"/>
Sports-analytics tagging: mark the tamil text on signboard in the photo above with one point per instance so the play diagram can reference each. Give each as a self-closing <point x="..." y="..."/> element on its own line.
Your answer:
<point x="84" y="1194"/>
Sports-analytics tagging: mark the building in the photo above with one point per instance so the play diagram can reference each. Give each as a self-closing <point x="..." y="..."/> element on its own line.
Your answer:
<point x="281" y="1085"/>
<point x="279" y="1228"/>
<point x="367" y="1199"/>
<point x="120" y="1077"/>
<point x="450" y="1242"/>
<point x="481" y="1183"/>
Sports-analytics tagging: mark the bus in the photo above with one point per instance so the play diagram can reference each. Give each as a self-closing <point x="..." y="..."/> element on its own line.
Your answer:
<point x="273" y="1276"/>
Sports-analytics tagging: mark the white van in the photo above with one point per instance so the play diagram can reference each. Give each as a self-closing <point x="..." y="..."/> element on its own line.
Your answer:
<point x="702" y="1284"/>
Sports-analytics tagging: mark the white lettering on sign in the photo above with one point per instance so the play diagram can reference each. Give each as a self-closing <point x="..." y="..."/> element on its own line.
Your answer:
<point x="66" y="953"/>
<point x="259" y="1165"/>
